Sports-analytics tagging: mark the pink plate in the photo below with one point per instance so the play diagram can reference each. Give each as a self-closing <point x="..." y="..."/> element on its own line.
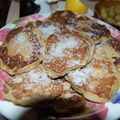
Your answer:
<point x="97" y="111"/>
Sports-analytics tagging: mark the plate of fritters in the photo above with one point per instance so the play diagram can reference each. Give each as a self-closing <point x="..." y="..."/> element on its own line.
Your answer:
<point x="66" y="65"/>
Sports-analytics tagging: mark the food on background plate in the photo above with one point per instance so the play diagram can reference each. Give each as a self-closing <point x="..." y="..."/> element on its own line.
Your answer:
<point x="67" y="44"/>
<point x="109" y="11"/>
<point x="111" y="14"/>
<point x="22" y="50"/>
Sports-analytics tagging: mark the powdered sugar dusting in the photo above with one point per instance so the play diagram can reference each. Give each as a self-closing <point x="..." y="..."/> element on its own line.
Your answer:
<point x="80" y="77"/>
<point x="70" y="27"/>
<point x="17" y="80"/>
<point x="48" y="30"/>
<point x="20" y="38"/>
<point x="38" y="48"/>
<point x="28" y="86"/>
<point x="39" y="77"/>
<point x="57" y="50"/>
<point x="71" y="63"/>
<point x="84" y="75"/>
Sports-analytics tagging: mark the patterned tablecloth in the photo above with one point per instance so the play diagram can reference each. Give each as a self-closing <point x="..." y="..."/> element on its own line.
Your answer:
<point x="108" y="111"/>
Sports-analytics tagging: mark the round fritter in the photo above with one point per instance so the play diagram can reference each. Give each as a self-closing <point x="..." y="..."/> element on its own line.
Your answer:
<point x="98" y="81"/>
<point x="67" y="51"/>
<point x="32" y="87"/>
<point x="22" y="50"/>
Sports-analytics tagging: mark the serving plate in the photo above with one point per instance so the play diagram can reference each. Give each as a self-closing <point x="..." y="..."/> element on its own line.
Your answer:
<point x="91" y="111"/>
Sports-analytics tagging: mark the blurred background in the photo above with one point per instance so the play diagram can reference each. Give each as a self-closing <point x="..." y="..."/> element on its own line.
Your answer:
<point x="13" y="9"/>
<point x="4" y="8"/>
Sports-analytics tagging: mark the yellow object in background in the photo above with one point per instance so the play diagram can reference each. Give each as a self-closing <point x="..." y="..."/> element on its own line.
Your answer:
<point x="76" y="6"/>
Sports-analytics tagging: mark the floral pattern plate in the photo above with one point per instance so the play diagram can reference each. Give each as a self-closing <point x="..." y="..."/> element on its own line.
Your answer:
<point x="108" y="111"/>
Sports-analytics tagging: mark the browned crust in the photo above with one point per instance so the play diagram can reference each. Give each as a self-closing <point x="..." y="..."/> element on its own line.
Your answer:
<point x="17" y="64"/>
